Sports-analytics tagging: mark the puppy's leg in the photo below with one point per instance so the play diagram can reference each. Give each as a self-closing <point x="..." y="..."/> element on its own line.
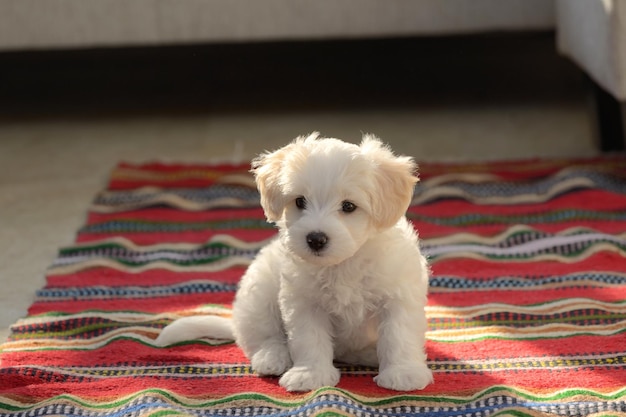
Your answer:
<point x="260" y="334"/>
<point x="258" y="325"/>
<point x="401" y="348"/>
<point x="311" y="346"/>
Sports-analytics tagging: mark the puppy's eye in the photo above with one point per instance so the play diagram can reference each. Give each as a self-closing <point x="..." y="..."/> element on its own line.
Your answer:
<point x="348" y="207"/>
<point x="301" y="203"/>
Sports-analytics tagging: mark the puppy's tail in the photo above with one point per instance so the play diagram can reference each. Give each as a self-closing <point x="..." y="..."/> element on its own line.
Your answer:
<point x="196" y="327"/>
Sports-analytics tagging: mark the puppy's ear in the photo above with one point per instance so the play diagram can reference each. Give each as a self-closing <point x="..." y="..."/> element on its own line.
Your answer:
<point x="394" y="181"/>
<point x="266" y="169"/>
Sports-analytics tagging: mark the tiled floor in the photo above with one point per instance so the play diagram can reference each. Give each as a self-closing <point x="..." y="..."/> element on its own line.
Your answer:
<point x="51" y="167"/>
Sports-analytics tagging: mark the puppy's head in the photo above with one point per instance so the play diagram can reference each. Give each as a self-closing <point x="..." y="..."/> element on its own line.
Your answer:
<point x="329" y="197"/>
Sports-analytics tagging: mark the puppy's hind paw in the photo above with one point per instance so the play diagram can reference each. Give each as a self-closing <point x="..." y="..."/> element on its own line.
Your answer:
<point x="304" y="378"/>
<point x="404" y="378"/>
<point x="272" y="360"/>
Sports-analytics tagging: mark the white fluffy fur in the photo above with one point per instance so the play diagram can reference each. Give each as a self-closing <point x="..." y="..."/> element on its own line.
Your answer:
<point x="358" y="300"/>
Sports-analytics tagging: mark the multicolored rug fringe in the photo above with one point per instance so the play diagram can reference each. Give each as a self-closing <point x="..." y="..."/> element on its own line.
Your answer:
<point x="527" y="307"/>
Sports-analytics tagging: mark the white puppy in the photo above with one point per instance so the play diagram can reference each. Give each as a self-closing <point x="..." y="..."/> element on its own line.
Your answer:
<point x="345" y="279"/>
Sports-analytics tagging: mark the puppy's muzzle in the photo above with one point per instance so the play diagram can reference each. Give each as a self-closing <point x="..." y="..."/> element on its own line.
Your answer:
<point x="317" y="241"/>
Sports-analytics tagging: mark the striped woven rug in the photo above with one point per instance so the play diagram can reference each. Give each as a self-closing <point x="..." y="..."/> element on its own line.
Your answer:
<point x="527" y="307"/>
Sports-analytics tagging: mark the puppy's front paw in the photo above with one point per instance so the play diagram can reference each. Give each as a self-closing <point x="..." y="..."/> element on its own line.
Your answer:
<point x="304" y="378"/>
<point x="404" y="378"/>
<point x="271" y="360"/>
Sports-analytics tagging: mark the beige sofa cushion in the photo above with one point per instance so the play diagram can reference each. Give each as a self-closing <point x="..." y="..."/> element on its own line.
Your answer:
<point x="33" y="24"/>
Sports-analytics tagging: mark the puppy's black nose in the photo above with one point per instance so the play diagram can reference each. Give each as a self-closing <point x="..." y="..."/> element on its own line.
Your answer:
<point x="316" y="240"/>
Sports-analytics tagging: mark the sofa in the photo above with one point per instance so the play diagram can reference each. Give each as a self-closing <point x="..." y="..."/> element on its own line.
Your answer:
<point x="592" y="33"/>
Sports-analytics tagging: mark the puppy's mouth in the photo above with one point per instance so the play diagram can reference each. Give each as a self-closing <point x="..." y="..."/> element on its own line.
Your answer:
<point x="319" y="258"/>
